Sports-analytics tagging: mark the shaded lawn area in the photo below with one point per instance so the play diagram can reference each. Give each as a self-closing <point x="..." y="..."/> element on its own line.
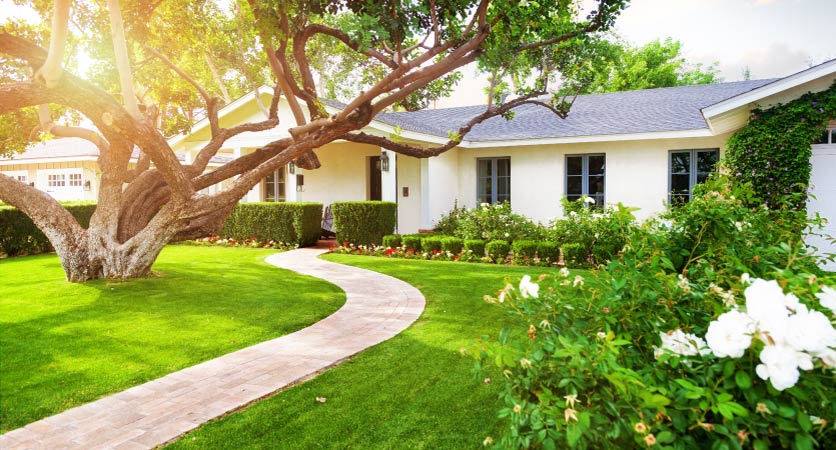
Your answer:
<point x="415" y="391"/>
<point x="64" y="344"/>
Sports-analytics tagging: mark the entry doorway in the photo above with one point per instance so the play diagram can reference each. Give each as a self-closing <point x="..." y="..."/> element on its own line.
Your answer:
<point x="375" y="184"/>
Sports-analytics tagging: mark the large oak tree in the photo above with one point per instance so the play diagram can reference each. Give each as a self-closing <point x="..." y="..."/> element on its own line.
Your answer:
<point x="402" y="47"/>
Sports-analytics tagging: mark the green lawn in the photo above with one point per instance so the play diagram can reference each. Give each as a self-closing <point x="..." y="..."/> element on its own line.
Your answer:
<point x="63" y="344"/>
<point x="415" y="391"/>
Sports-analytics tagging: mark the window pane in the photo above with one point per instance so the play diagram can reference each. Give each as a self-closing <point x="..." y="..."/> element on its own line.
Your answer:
<point x="680" y="184"/>
<point x="596" y="186"/>
<point x="503" y="167"/>
<point x="574" y="165"/>
<point x="484" y="167"/>
<point x="596" y="165"/>
<point x="833" y="136"/>
<point x="270" y="188"/>
<point x="706" y="161"/>
<point x="574" y="186"/>
<point x="681" y="162"/>
<point x="573" y="198"/>
<point x="503" y="188"/>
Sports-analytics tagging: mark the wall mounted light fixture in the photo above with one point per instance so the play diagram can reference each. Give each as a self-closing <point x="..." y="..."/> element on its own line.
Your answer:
<point x="384" y="161"/>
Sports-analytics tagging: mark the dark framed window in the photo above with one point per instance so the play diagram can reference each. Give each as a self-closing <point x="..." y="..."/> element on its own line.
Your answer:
<point x="828" y="136"/>
<point x="493" y="180"/>
<point x="586" y="176"/>
<point x="274" y="186"/>
<point x="689" y="168"/>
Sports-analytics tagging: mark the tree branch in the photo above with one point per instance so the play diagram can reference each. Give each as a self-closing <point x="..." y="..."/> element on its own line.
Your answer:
<point x="51" y="69"/>
<point x="123" y="63"/>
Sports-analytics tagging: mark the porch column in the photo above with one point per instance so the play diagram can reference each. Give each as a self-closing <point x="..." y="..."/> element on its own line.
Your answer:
<point x="426" y="217"/>
<point x="389" y="178"/>
<point x="290" y="192"/>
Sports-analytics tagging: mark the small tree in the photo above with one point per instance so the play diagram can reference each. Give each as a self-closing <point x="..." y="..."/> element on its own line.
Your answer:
<point x="406" y="46"/>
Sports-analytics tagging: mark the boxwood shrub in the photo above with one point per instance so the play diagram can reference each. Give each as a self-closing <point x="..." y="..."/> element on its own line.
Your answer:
<point x="574" y="254"/>
<point x="19" y="235"/>
<point x="292" y="222"/>
<point x="524" y="251"/>
<point x="392" y="240"/>
<point x="548" y="252"/>
<point x="477" y="246"/>
<point x="411" y="242"/>
<point x="364" y="223"/>
<point x="431" y="244"/>
<point x="498" y="250"/>
<point x="452" y="244"/>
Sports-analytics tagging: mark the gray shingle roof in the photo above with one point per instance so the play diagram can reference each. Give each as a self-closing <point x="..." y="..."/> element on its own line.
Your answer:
<point x="642" y="111"/>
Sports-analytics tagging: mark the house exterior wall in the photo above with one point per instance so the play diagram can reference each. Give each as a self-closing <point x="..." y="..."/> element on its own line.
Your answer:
<point x="409" y="207"/>
<point x="38" y="173"/>
<point x="823" y="186"/>
<point x="343" y="176"/>
<point x="636" y="173"/>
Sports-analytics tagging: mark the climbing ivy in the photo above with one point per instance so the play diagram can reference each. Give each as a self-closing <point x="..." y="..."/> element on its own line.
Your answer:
<point x="773" y="151"/>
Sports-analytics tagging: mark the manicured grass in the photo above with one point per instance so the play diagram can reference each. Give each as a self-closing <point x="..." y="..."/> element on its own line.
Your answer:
<point x="64" y="344"/>
<point x="415" y="391"/>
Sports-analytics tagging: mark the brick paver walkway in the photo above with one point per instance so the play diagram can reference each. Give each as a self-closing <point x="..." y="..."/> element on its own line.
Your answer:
<point x="377" y="308"/>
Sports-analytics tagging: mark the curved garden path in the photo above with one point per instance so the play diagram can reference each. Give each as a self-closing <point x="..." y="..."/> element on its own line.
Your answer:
<point x="377" y="308"/>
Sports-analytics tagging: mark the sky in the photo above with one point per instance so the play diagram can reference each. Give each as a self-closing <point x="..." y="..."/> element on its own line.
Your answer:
<point x="773" y="38"/>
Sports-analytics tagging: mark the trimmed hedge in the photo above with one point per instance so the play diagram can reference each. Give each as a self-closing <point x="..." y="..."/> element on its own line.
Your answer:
<point x="364" y="223"/>
<point x="477" y="246"/>
<point x="524" y="251"/>
<point x="392" y="240"/>
<point x="574" y="254"/>
<point x="293" y="222"/>
<point x="452" y="244"/>
<point x="411" y="242"/>
<point x="498" y="250"/>
<point x="19" y="235"/>
<point x="548" y="251"/>
<point x="431" y="244"/>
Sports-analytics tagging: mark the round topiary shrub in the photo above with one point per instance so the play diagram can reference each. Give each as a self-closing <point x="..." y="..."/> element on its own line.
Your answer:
<point x="476" y="246"/>
<point x="524" y="252"/>
<point x="498" y="250"/>
<point x="411" y="242"/>
<point x="548" y="252"/>
<point x="452" y="244"/>
<point x="431" y="244"/>
<point x="392" y="240"/>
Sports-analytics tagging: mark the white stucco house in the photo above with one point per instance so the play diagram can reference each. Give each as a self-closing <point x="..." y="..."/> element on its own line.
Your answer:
<point x="640" y="148"/>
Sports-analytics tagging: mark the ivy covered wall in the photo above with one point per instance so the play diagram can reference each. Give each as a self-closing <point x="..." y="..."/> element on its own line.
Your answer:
<point x="773" y="151"/>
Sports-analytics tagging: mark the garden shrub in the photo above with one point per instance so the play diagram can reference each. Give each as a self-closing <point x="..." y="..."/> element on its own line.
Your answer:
<point x="449" y="223"/>
<point x="574" y="254"/>
<point x="431" y="244"/>
<point x="498" y="250"/>
<point x="680" y="343"/>
<point x="496" y="222"/>
<point x="524" y="251"/>
<point x="591" y="228"/>
<point x="392" y="240"/>
<point x="411" y="242"/>
<point x="773" y="151"/>
<point x="364" y="223"/>
<point x="476" y="246"/>
<point x="291" y="222"/>
<point x="548" y="252"/>
<point x="19" y="235"/>
<point x="452" y="244"/>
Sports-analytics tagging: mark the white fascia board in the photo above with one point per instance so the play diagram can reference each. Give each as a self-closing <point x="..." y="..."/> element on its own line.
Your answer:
<point x="701" y="132"/>
<point x="811" y="74"/>
<point x="203" y="123"/>
<point x="14" y="162"/>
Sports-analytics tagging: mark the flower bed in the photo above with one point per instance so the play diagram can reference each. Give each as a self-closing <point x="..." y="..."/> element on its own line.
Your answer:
<point x="252" y="242"/>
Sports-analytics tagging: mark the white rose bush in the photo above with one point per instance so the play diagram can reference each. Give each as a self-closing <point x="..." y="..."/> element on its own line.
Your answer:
<point x="701" y="335"/>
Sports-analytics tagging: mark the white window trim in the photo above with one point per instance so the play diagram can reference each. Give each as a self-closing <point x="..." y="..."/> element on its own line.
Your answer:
<point x="18" y="173"/>
<point x="66" y="172"/>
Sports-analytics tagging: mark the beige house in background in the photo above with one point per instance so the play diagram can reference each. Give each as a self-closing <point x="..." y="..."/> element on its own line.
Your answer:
<point x="640" y="148"/>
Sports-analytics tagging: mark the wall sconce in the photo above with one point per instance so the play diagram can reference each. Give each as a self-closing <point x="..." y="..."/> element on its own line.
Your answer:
<point x="300" y="183"/>
<point x="384" y="161"/>
<point x="87" y="185"/>
<point x="291" y="168"/>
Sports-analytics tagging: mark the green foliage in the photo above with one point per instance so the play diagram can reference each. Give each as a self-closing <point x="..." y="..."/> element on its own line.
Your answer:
<point x="431" y="244"/>
<point x="477" y="246"/>
<point x="297" y="223"/>
<point x="412" y="242"/>
<point x="491" y="222"/>
<point x="364" y="223"/>
<point x="449" y="223"/>
<point x="611" y="65"/>
<point x="585" y="366"/>
<point x="773" y="151"/>
<point x="19" y="235"/>
<point x="498" y="250"/>
<point x="548" y="252"/>
<point x="392" y="240"/>
<point x="452" y="244"/>
<point x="524" y="251"/>
<point x="587" y="232"/>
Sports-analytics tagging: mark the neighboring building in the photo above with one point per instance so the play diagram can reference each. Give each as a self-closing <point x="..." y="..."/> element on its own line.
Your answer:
<point x="640" y="148"/>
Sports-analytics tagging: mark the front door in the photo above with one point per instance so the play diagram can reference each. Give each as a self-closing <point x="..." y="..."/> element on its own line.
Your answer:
<point x="374" y="178"/>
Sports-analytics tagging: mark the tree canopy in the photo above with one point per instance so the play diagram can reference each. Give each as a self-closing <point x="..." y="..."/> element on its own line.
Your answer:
<point x="155" y="66"/>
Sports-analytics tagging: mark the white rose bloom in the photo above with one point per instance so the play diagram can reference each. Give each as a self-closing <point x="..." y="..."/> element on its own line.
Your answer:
<point x="780" y="365"/>
<point x="731" y="334"/>
<point x="827" y="298"/>
<point x="745" y="279"/>
<point x="766" y="304"/>
<point x="681" y="343"/>
<point x="828" y="357"/>
<point x="564" y="272"/>
<point x="810" y="331"/>
<point x="528" y="288"/>
<point x="589" y="200"/>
